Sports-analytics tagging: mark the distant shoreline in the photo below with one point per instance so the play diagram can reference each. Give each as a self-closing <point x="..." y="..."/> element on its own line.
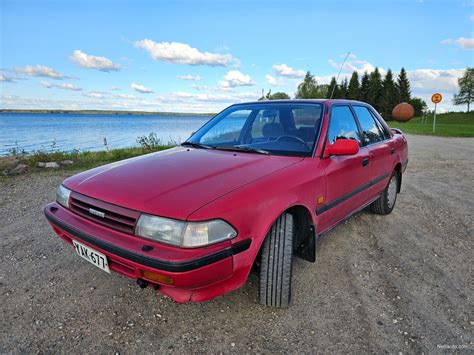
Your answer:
<point x="107" y="112"/>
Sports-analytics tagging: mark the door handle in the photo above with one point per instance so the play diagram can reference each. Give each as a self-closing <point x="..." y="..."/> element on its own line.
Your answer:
<point x="392" y="151"/>
<point x="365" y="161"/>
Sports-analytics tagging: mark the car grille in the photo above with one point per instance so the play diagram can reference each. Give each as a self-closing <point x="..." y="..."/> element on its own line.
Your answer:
<point x="107" y="214"/>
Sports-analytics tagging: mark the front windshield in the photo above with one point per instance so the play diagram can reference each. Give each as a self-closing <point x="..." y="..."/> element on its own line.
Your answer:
<point x="276" y="128"/>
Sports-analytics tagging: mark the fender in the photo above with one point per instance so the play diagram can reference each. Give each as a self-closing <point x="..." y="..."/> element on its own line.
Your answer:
<point x="264" y="202"/>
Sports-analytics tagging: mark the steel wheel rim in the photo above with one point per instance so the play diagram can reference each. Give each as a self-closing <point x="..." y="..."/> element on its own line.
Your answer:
<point x="392" y="192"/>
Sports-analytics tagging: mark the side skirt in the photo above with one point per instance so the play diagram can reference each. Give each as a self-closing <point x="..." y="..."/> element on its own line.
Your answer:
<point x="347" y="217"/>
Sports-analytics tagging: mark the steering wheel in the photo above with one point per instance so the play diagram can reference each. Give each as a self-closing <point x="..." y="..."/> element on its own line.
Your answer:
<point x="298" y="139"/>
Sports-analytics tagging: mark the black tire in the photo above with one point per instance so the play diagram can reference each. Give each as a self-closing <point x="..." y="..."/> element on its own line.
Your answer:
<point x="386" y="202"/>
<point x="277" y="263"/>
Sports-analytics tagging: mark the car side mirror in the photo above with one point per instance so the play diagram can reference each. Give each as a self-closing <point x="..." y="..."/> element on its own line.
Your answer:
<point x="343" y="147"/>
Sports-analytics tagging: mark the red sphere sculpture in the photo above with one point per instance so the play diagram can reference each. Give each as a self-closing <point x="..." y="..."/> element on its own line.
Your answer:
<point x="403" y="112"/>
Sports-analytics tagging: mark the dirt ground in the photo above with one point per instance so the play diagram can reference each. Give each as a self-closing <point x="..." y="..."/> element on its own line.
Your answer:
<point x="400" y="283"/>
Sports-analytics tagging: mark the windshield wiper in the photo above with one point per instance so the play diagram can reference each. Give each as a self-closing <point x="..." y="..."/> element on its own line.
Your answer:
<point x="197" y="145"/>
<point x="242" y="148"/>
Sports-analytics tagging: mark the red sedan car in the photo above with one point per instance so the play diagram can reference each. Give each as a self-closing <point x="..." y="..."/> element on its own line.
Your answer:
<point x="258" y="183"/>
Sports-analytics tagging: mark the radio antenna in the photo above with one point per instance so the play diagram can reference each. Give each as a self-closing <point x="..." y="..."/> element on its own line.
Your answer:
<point x="337" y="79"/>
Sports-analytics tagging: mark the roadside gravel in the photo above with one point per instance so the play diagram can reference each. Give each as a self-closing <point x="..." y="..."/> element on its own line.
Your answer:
<point x="403" y="282"/>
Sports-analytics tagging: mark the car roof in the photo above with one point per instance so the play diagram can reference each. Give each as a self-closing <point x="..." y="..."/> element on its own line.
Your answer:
<point x="306" y="101"/>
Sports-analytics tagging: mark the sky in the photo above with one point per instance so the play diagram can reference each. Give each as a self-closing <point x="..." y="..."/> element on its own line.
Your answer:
<point x="201" y="56"/>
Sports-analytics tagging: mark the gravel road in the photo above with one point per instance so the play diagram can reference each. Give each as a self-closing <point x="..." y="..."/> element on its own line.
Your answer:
<point x="403" y="282"/>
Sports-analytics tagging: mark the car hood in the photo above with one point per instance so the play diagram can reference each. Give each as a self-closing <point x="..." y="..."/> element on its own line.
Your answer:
<point x="175" y="182"/>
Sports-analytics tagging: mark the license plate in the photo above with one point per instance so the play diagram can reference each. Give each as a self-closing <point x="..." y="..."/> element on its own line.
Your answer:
<point x="92" y="256"/>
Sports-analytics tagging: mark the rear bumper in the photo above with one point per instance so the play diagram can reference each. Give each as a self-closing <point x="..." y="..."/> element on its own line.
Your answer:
<point x="198" y="274"/>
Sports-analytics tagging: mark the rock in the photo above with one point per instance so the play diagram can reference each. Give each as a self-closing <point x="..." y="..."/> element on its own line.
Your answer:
<point x="20" y="169"/>
<point x="67" y="162"/>
<point x="52" y="165"/>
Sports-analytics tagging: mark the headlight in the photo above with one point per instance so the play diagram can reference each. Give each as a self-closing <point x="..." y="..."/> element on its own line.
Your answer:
<point x="183" y="234"/>
<point x="62" y="196"/>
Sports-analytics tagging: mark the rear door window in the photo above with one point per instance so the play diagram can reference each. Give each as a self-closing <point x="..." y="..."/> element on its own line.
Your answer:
<point x="370" y="127"/>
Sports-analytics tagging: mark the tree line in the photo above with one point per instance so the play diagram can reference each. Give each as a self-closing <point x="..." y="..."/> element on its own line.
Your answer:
<point x="383" y="93"/>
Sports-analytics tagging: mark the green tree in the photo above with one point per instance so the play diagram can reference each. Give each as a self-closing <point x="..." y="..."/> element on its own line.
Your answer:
<point x="419" y="105"/>
<point x="354" y="90"/>
<point x="466" y="89"/>
<point x="375" y="89"/>
<point x="364" y="87"/>
<point x="389" y="95"/>
<point x="279" y="96"/>
<point x="344" y="89"/>
<point x="333" y="89"/>
<point x="309" y="88"/>
<point x="276" y="96"/>
<point x="403" y="86"/>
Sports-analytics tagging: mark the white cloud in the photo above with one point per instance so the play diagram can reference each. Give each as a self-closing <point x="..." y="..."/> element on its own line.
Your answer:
<point x="115" y="88"/>
<point x="214" y="98"/>
<point x="201" y="87"/>
<point x="271" y="80"/>
<point x="40" y="71"/>
<point x="465" y="43"/>
<point x="93" y="62"/>
<point x="7" y="79"/>
<point x="123" y="96"/>
<point x="63" y="86"/>
<point x="235" y="78"/>
<point x="189" y="77"/>
<point x="182" y="53"/>
<point x="447" y="41"/>
<point x="289" y="72"/>
<point x="141" y="89"/>
<point x="95" y="94"/>
<point x="432" y="80"/>
<point x="471" y="17"/>
<point x="353" y="64"/>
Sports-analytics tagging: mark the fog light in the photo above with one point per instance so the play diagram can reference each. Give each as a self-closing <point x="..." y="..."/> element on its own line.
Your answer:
<point x="158" y="278"/>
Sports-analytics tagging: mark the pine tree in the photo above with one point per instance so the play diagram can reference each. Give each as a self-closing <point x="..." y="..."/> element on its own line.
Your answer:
<point x="389" y="95"/>
<point x="375" y="89"/>
<point x="364" y="87"/>
<point x="353" y="90"/>
<point x="344" y="89"/>
<point x="403" y="86"/>
<point x="332" y="86"/>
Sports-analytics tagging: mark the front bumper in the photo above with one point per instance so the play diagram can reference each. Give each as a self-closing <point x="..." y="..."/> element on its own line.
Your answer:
<point x="198" y="274"/>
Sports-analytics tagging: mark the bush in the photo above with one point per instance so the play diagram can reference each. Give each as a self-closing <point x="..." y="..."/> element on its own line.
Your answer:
<point x="150" y="142"/>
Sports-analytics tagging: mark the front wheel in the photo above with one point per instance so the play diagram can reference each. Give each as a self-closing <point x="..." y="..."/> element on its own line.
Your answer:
<point x="277" y="263"/>
<point x="386" y="201"/>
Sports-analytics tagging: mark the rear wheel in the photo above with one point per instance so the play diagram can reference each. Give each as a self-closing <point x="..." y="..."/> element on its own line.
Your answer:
<point x="277" y="263"/>
<point x="386" y="202"/>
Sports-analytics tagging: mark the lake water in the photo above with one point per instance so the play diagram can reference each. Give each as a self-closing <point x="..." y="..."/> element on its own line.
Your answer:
<point x="31" y="131"/>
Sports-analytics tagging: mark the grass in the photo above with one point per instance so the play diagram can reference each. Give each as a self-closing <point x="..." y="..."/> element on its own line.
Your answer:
<point x="88" y="159"/>
<point x="457" y="124"/>
<point x="82" y="160"/>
